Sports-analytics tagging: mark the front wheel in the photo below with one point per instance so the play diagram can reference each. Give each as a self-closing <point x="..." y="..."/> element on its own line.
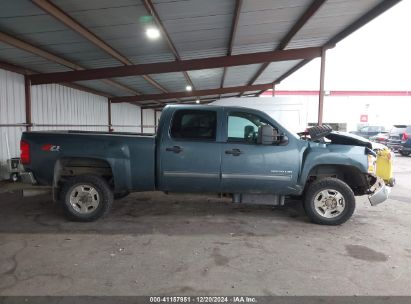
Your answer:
<point x="329" y="201"/>
<point x="404" y="153"/>
<point x="86" y="198"/>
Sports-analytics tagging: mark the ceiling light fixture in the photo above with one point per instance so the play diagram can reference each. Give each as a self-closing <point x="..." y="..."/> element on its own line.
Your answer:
<point x="152" y="33"/>
<point x="197" y="100"/>
<point x="189" y="88"/>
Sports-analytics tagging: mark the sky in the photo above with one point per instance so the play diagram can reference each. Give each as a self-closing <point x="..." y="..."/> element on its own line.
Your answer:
<point x="376" y="57"/>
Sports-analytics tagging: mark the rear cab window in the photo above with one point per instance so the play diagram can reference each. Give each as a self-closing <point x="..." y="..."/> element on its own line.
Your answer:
<point x="194" y="125"/>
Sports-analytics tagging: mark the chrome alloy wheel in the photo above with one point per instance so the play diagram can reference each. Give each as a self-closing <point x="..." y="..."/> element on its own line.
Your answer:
<point x="84" y="199"/>
<point x="329" y="203"/>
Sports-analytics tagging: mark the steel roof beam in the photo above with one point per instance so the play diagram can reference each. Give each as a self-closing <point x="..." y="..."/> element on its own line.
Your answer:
<point x="233" y="32"/>
<point x="177" y="66"/>
<point x="24" y="71"/>
<point x="150" y="8"/>
<point x="25" y="46"/>
<point x="312" y="9"/>
<point x="203" y="101"/>
<point x="61" y="16"/>
<point x="184" y="94"/>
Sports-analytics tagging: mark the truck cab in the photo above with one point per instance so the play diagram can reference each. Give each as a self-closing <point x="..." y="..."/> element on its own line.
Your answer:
<point x="218" y="149"/>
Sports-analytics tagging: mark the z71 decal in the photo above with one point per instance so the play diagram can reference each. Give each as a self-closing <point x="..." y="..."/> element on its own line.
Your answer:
<point x="50" y="147"/>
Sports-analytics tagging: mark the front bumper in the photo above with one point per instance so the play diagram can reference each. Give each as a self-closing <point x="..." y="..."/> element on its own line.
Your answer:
<point x="379" y="192"/>
<point x="394" y="147"/>
<point x="404" y="149"/>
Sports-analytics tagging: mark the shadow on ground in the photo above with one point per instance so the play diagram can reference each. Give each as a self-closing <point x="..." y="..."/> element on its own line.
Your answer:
<point x="150" y="213"/>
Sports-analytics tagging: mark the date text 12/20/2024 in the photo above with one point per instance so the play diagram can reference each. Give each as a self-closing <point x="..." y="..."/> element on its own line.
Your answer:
<point x="200" y="299"/>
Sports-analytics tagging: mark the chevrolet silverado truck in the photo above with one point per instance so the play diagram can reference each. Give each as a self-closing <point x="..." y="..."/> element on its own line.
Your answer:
<point x="240" y="152"/>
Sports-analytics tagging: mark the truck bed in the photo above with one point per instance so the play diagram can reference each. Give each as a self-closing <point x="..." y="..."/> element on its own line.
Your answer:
<point x="129" y="155"/>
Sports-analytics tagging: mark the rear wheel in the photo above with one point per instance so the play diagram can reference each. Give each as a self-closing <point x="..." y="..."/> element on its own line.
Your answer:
<point x="86" y="198"/>
<point x="329" y="201"/>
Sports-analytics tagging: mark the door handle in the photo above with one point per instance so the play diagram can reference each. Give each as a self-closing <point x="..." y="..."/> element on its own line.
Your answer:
<point x="234" y="152"/>
<point x="175" y="149"/>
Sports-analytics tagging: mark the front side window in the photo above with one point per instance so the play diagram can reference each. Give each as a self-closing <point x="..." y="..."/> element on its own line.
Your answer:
<point x="243" y="127"/>
<point x="194" y="124"/>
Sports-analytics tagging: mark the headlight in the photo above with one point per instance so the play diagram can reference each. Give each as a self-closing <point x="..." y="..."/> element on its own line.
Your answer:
<point x="372" y="164"/>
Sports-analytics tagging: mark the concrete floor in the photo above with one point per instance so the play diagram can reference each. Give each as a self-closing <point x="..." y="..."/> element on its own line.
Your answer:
<point x="154" y="244"/>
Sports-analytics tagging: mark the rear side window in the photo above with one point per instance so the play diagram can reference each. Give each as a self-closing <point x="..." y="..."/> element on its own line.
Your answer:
<point x="194" y="124"/>
<point x="408" y="130"/>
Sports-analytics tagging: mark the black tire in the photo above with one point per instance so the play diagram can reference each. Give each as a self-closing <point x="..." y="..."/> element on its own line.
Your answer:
<point x="104" y="195"/>
<point x="329" y="183"/>
<point x="404" y="153"/>
<point x="120" y="195"/>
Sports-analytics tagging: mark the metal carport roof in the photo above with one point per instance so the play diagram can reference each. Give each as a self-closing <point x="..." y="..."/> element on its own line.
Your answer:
<point x="58" y="36"/>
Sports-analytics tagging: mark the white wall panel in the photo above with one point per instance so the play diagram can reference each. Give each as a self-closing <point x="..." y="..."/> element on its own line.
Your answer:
<point x="54" y="107"/>
<point x="63" y="108"/>
<point x="125" y="117"/>
<point x="148" y="121"/>
<point x="158" y="115"/>
<point x="12" y="111"/>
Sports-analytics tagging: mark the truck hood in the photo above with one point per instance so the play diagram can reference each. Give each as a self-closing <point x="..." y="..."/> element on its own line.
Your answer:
<point x="341" y="138"/>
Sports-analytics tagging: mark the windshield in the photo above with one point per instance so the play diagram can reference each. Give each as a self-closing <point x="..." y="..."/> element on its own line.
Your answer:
<point x="398" y="129"/>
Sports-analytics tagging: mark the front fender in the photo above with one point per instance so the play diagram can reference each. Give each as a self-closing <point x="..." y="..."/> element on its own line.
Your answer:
<point x="337" y="155"/>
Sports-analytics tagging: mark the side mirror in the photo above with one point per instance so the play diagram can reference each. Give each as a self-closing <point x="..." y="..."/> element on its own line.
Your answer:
<point x="267" y="135"/>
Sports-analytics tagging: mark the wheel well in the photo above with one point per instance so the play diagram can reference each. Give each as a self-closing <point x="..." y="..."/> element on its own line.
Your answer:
<point x="69" y="167"/>
<point x="352" y="176"/>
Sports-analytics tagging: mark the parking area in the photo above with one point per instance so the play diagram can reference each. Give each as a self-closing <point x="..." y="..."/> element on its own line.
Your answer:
<point x="153" y="244"/>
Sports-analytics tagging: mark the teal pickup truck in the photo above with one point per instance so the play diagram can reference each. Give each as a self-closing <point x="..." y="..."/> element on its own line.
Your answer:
<point x="237" y="151"/>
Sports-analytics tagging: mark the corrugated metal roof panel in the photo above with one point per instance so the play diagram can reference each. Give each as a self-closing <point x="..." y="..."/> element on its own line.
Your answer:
<point x="275" y="70"/>
<point x="103" y="87"/>
<point x="206" y="79"/>
<point x="198" y="29"/>
<point x="152" y="58"/>
<point x="262" y="24"/>
<point x="139" y="84"/>
<point x="171" y="9"/>
<point x="28" y="60"/>
<point x="332" y="17"/>
<point x="171" y="81"/>
<point x="82" y="5"/>
<point x="240" y="75"/>
<point x="197" y="26"/>
<point x="118" y="24"/>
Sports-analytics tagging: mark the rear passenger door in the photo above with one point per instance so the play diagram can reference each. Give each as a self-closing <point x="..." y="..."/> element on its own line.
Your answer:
<point x="190" y="152"/>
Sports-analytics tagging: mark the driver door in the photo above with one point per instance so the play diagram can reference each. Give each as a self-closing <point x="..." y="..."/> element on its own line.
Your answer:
<point x="251" y="167"/>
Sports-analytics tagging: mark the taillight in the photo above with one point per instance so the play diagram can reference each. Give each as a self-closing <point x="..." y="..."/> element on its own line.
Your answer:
<point x="24" y="152"/>
<point x="405" y="136"/>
